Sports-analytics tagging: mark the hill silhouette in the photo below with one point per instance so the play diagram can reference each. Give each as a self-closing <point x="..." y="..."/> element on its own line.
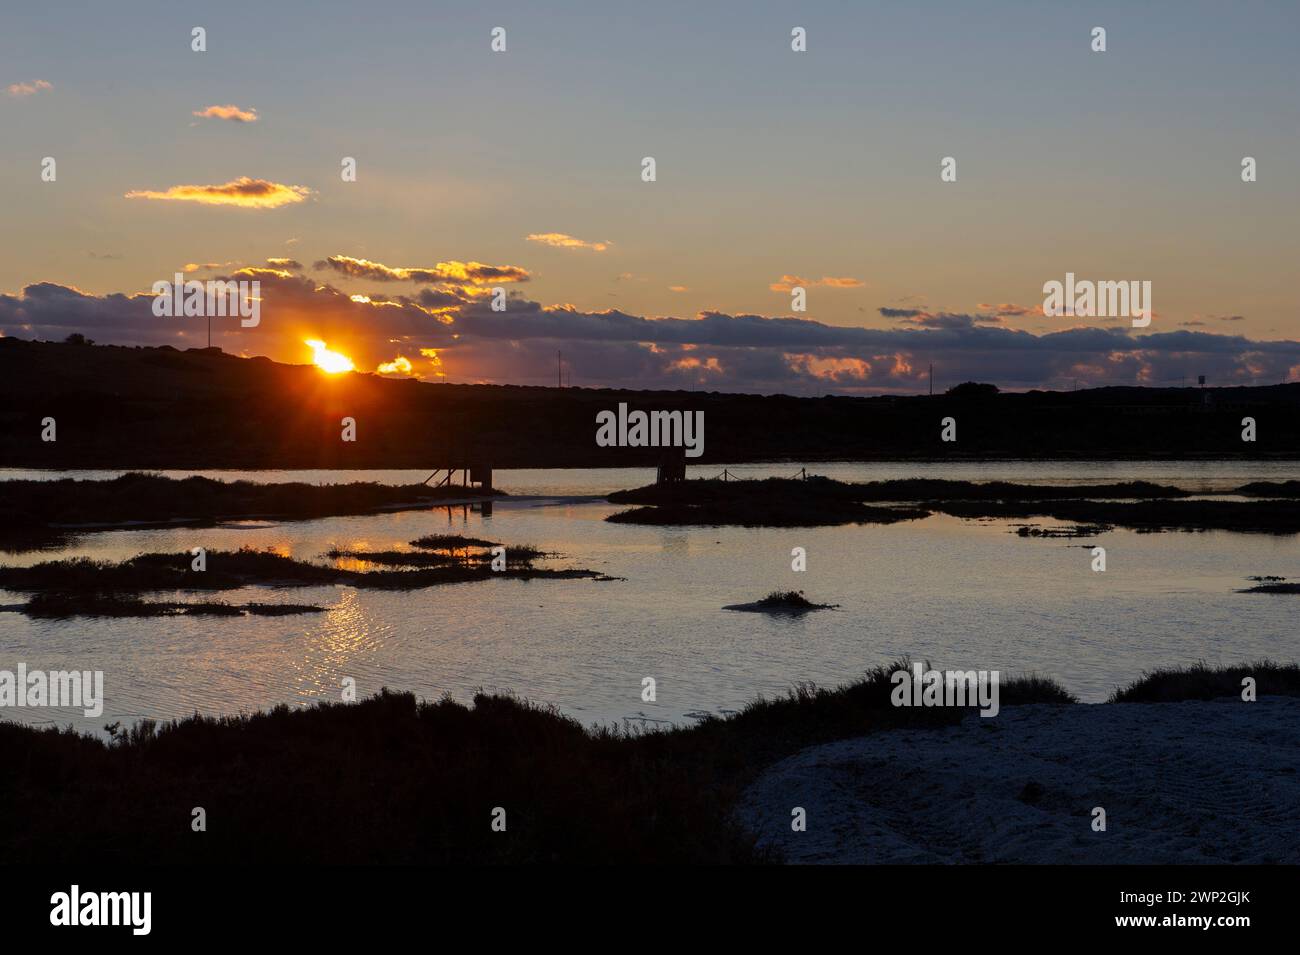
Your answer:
<point x="136" y="407"/>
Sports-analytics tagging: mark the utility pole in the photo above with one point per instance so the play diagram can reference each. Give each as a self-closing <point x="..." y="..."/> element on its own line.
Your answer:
<point x="559" y="380"/>
<point x="931" y="379"/>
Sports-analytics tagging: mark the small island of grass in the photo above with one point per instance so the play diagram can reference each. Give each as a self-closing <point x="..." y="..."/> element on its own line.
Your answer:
<point x="782" y="602"/>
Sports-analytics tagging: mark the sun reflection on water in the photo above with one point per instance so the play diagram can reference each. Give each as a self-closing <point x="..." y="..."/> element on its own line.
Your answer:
<point x="340" y="645"/>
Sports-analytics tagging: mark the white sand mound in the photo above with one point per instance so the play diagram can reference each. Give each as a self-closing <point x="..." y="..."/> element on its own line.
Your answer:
<point x="1191" y="782"/>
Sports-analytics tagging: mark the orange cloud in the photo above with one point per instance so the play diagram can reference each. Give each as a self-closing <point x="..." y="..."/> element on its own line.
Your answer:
<point x="253" y="272"/>
<point x="434" y="360"/>
<point x="835" y="369"/>
<point x="28" y="89"/>
<point x="473" y="273"/>
<point x="561" y="241"/>
<point x="788" y="282"/>
<point x="230" y="112"/>
<point x="243" y="192"/>
<point x="678" y="288"/>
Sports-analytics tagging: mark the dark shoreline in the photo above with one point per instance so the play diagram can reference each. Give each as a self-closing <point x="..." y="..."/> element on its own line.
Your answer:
<point x="1270" y="508"/>
<point x="417" y="781"/>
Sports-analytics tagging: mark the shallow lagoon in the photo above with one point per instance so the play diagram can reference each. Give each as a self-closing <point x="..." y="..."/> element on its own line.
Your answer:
<point x="960" y="594"/>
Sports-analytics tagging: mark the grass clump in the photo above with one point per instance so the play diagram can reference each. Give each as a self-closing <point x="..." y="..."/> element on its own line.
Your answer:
<point x="451" y="542"/>
<point x="1204" y="682"/>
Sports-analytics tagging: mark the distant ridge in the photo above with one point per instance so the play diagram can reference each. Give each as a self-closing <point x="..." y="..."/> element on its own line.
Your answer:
<point x="125" y="407"/>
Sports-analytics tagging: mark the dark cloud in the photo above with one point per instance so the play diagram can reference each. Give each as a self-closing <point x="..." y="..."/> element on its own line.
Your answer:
<point x="713" y="350"/>
<point x="924" y="319"/>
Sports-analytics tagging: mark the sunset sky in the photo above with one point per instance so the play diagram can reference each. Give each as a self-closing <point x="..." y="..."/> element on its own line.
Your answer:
<point x="523" y="170"/>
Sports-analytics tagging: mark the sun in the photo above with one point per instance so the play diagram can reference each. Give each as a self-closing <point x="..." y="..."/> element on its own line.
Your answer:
<point x="331" y="362"/>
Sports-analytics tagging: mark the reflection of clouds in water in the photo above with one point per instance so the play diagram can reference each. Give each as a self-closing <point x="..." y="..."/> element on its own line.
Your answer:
<point x="340" y="643"/>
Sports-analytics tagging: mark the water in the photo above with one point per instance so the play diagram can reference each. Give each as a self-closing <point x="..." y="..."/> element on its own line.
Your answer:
<point x="961" y="594"/>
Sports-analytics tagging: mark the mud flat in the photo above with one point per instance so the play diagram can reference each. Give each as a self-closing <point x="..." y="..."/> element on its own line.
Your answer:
<point x="36" y="512"/>
<point x="775" y="502"/>
<point x="1248" y="517"/>
<point x="1181" y="782"/>
<point x="1138" y="505"/>
<point x="89" y="584"/>
<point x="63" y="606"/>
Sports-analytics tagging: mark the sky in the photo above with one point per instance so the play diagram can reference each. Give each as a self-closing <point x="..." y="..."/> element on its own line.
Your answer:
<point x="522" y="170"/>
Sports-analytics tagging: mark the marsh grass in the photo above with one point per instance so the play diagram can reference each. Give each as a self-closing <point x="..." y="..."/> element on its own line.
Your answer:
<point x="451" y="542"/>
<point x="416" y="781"/>
<point x="64" y="605"/>
<point x="231" y="570"/>
<point x="1204" y="682"/>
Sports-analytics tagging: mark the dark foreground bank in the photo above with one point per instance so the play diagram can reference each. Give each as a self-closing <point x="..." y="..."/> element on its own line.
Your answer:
<point x="393" y="780"/>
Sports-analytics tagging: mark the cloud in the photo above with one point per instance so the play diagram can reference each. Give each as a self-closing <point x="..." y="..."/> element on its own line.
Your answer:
<point x="471" y="273"/>
<point x="561" y="241"/>
<point x="1011" y="310"/>
<point x="788" y="282"/>
<point x="28" y="89"/>
<point x="293" y="265"/>
<point x="230" y="112"/>
<point x="244" y="192"/>
<point x="451" y="333"/>
<point x="678" y="288"/>
<point x="923" y="319"/>
<point x="205" y="266"/>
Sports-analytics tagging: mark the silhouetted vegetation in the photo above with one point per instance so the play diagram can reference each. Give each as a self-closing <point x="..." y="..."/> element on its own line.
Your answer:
<point x="1254" y="517"/>
<point x="782" y="502"/>
<point x="451" y="542"/>
<point x="417" y="782"/>
<point x="230" y="570"/>
<point x="773" y="502"/>
<point x="151" y="499"/>
<point x="782" y="602"/>
<point x="63" y="605"/>
<point x="1078" y="530"/>
<point x="517" y="555"/>
<point x="1270" y="489"/>
<point x="1272" y="585"/>
<point x="1203" y="682"/>
<point x="976" y="390"/>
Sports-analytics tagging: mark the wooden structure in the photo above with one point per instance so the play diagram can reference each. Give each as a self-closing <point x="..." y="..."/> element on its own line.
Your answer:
<point x="471" y="475"/>
<point x="672" y="466"/>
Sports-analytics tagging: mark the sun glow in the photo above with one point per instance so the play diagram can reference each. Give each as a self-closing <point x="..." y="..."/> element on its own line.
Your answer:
<point x="328" y="361"/>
